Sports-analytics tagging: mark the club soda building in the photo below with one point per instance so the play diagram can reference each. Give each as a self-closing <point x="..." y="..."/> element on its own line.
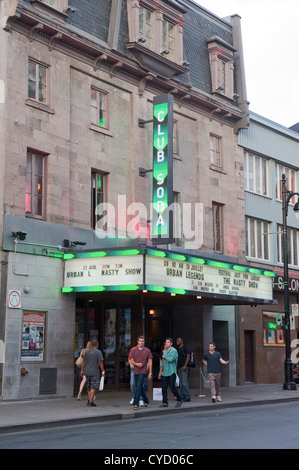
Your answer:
<point x="105" y="125"/>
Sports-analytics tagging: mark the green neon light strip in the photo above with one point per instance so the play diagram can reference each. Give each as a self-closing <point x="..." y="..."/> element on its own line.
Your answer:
<point x="218" y="264"/>
<point x="255" y="271"/>
<point x="66" y="290"/>
<point x="123" y="253"/>
<point x="190" y="259"/>
<point x="172" y="290"/>
<point x="68" y="256"/>
<point x="160" y="254"/>
<point x="100" y="254"/>
<point x="155" y="288"/>
<point x="239" y="268"/>
<point x="269" y="274"/>
<point x="177" y="257"/>
<point x="123" y="288"/>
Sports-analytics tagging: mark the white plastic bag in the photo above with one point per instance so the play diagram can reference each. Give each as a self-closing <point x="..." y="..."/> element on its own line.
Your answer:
<point x="101" y="388"/>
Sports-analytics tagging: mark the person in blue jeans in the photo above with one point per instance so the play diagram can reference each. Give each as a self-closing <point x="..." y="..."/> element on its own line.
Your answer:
<point x="183" y="369"/>
<point x="168" y="373"/>
<point x="142" y="360"/>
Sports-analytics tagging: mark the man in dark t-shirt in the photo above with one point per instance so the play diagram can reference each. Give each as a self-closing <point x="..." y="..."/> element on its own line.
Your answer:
<point x="92" y="360"/>
<point x="212" y="360"/>
<point x="183" y="369"/>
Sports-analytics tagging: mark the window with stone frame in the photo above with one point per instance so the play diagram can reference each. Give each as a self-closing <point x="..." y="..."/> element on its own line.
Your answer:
<point x="98" y="199"/>
<point x="99" y="108"/>
<point x="38" y="81"/>
<point x="221" y="55"/>
<point x="35" y="185"/>
<point x="218" y="227"/>
<point x="216" y="151"/>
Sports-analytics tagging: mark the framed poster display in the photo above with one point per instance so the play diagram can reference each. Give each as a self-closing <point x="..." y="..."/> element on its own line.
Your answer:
<point x="33" y="336"/>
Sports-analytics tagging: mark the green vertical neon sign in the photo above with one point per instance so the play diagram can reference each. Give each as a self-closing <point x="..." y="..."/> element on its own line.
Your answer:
<point x="162" y="221"/>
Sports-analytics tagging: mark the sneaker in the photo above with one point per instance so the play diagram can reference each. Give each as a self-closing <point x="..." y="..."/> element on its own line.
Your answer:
<point x="141" y="403"/>
<point x="178" y="404"/>
<point x="136" y="407"/>
<point x="186" y="399"/>
<point x="218" y="398"/>
<point x="91" y="403"/>
<point x="146" y="405"/>
<point x="214" y="399"/>
<point x="132" y="401"/>
<point x="164" y="405"/>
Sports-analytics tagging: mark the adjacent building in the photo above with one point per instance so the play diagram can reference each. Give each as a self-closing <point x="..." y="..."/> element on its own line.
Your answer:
<point x="270" y="150"/>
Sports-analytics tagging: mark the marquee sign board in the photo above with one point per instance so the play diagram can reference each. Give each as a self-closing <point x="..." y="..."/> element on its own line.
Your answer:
<point x="162" y="218"/>
<point x="165" y="272"/>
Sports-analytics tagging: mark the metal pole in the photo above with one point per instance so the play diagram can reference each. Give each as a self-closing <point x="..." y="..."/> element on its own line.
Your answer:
<point x="289" y="383"/>
<point x="200" y="384"/>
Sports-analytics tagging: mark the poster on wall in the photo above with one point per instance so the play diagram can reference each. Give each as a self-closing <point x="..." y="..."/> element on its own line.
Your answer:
<point x="33" y="336"/>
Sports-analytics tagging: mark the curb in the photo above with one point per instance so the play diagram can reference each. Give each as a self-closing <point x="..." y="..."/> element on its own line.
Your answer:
<point x="139" y="414"/>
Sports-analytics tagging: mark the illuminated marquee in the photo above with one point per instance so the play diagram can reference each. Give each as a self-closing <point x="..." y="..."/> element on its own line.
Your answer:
<point x="162" y="220"/>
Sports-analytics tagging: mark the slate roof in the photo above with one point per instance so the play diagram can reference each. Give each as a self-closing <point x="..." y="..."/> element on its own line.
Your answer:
<point x="92" y="16"/>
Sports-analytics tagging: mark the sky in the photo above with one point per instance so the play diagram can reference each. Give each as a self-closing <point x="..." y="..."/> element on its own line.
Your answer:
<point x="270" y="35"/>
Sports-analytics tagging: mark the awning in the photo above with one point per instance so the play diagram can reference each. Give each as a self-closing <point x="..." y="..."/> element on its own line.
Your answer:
<point x="163" y="271"/>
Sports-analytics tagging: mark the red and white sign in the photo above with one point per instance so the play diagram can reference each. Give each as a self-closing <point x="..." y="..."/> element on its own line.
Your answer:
<point x="295" y="310"/>
<point x="14" y="299"/>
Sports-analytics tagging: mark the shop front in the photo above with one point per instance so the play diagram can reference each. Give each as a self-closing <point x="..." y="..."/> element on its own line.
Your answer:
<point x="123" y="293"/>
<point x="116" y="321"/>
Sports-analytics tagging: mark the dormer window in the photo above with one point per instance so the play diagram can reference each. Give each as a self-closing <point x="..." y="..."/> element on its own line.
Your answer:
<point x="168" y="40"/>
<point x="156" y="35"/>
<point x="221" y="56"/>
<point x="58" y="4"/>
<point x="58" y="9"/>
<point x="145" y="27"/>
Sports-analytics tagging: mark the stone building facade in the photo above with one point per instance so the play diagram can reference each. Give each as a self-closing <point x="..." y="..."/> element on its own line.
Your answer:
<point x="76" y="78"/>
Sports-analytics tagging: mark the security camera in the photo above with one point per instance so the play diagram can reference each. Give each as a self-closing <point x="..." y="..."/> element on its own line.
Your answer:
<point x="20" y="235"/>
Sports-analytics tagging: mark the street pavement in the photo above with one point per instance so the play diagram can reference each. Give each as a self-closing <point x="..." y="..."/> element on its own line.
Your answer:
<point x="114" y="405"/>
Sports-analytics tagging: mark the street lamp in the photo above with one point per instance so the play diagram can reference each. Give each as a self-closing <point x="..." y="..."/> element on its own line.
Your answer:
<point x="287" y="195"/>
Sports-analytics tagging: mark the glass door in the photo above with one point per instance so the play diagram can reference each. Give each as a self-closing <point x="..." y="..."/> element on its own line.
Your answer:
<point x="116" y="345"/>
<point x="124" y="346"/>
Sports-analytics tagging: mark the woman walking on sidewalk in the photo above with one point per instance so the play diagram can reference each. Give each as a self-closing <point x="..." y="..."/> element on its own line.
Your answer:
<point x="83" y="381"/>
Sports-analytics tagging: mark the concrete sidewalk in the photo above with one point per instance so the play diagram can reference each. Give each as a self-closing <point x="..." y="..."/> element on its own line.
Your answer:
<point x="114" y="405"/>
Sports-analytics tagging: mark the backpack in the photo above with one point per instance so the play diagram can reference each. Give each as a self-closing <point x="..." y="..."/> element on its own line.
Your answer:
<point x="191" y="362"/>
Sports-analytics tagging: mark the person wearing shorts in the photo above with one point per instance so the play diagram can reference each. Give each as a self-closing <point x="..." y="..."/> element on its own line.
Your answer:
<point x="92" y="360"/>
